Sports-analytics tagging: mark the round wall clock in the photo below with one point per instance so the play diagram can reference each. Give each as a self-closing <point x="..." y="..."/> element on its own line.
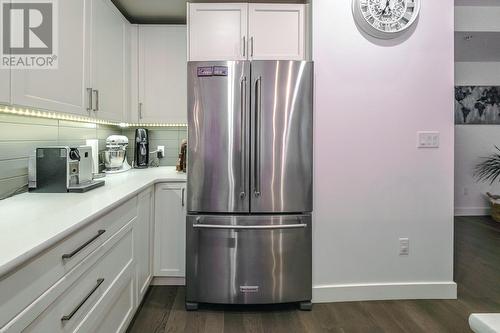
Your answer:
<point x="385" y="18"/>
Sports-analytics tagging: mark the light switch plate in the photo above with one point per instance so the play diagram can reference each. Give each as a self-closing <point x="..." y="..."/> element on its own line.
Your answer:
<point x="428" y="139"/>
<point x="404" y="246"/>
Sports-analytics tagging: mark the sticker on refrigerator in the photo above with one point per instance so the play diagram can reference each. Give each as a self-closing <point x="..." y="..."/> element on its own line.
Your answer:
<point x="205" y="71"/>
<point x="220" y="70"/>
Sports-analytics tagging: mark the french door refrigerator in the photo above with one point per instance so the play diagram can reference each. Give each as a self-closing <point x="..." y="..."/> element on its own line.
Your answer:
<point x="249" y="192"/>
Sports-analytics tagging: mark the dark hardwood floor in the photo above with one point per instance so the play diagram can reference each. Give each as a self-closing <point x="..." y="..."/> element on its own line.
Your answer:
<point x="477" y="272"/>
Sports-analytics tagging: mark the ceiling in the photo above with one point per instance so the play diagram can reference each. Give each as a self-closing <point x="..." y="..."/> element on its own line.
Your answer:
<point x="153" y="11"/>
<point x="171" y="11"/>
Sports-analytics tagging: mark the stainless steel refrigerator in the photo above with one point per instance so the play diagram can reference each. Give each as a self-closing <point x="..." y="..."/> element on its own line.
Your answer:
<point x="250" y="174"/>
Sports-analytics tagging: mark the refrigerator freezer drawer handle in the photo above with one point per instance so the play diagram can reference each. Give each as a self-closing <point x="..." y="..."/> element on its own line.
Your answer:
<point x="246" y="227"/>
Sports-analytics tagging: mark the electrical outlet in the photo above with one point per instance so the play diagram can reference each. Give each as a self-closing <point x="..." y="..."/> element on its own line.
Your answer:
<point x="404" y="246"/>
<point x="428" y="139"/>
<point x="161" y="151"/>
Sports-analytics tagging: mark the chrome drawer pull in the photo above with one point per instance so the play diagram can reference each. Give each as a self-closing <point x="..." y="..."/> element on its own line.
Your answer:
<point x="277" y="226"/>
<point x="75" y="310"/>
<point x="81" y="247"/>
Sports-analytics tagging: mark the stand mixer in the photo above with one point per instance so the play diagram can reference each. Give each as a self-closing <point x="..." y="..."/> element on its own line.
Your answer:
<point x="115" y="155"/>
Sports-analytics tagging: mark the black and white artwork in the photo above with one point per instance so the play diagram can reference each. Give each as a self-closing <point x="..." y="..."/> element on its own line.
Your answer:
<point x="477" y="105"/>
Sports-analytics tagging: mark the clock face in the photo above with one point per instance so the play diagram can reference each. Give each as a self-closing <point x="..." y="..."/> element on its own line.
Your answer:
<point x="385" y="18"/>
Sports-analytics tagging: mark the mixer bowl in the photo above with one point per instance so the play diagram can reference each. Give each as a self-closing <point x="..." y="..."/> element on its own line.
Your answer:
<point x="113" y="159"/>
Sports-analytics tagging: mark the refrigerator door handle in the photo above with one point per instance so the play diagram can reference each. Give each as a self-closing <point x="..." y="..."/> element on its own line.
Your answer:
<point x="251" y="227"/>
<point x="243" y="95"/>
<point x="258" y="119"/>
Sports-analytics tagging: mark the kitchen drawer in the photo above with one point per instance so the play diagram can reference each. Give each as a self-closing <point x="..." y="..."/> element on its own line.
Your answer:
<point x="21" y="287"/>
<point x="68" y="304"/>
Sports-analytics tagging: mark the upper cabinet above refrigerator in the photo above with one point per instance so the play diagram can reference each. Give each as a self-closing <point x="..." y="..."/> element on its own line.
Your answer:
<point x="242" y="31"/>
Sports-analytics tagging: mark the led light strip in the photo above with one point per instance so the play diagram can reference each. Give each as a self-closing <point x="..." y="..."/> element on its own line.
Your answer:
<point x="27" y="112"/>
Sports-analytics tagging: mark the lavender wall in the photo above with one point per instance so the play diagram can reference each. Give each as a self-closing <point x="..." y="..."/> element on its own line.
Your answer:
<point x="372" y="185"/>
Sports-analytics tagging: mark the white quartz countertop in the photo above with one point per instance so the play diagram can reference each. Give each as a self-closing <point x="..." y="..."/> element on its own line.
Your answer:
<point x="32" y="222"/>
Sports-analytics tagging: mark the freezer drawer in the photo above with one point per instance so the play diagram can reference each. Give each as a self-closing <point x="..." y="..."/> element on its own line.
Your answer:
<point x="248" y="259"/>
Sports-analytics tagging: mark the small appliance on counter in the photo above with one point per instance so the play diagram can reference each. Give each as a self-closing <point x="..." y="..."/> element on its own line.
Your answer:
<point x="62" y="169"/>
<point x="141" y="158"/>
<point x="115" y="155"/>
<point x="181" y="162"/>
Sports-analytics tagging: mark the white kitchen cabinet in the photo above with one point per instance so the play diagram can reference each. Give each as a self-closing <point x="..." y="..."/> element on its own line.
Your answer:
<point x="109" y="61"/>
<point x="162" y="74"/>
<point x="5" y="86"/>
<point x="62" y="89"/>
<point x="217" y="31"/>
<point x="143" y="237"/>
<point x="241" y="31"/>
<point x="277" y="31"/>
<point x="170" y="230"/>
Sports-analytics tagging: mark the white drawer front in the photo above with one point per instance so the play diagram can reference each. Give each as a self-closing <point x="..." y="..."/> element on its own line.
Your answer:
<point x="19" y="289"/>
<point x="74" y="301"/>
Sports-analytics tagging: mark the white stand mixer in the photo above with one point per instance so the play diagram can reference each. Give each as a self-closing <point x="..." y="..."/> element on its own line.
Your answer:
<point x="115" y="155"/>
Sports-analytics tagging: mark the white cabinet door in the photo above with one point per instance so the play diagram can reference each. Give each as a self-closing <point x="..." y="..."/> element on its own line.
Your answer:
<point x="143" y="242"/>
<point x="109" y="60"/>
<point x="217" y="31"/>
<point x="62" y="89"/>
<point x="170" y="230"/>
<point x="277" y="31"/>
<point x="4" y="86"/>
<point x="162" y="74"/>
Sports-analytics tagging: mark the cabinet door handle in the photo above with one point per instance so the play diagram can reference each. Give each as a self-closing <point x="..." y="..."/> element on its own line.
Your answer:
<point x="140" y="110"/>
<point x="95" y="100"/>
<point x="84" y="245"/>
<point x="182" y="196"/>
<point x="251" y="46"/>
<point x="89" y="100"/>
<point x="244" y="46"/>
<point x="75" y="310"/>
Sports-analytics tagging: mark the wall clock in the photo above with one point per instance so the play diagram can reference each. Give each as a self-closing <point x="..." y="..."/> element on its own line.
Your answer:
<point x="385" y="18"/>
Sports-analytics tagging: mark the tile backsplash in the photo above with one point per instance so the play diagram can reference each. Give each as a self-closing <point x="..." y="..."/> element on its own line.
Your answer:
<point x="20" y="135"/>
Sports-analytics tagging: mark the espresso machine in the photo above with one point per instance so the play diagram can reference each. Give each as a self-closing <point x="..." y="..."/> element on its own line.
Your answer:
<point x="141" y="158"/>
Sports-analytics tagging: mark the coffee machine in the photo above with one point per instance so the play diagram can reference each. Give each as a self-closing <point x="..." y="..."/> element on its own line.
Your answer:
<point x="141" y="158"/>
<point x="62" y="169"/>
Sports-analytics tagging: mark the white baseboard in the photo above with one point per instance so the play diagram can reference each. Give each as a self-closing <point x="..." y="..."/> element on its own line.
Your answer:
<point x="472" y="211"/>
<point x="384" y="291"/>
<point x="168" y="281"/>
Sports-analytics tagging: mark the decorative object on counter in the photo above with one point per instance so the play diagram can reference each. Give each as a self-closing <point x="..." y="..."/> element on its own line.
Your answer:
<point x="385" y="19"/>
<point x="181" y="162"/>
<point x="489" y="171"/>
<point x="115" y="155"/>
<point x="141" y="160"/>
<point x="62" y="169"/>
<point x="477" y="105"/>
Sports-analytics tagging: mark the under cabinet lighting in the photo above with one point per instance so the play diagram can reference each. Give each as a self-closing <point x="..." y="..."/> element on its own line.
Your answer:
<point x="27" y="112"/>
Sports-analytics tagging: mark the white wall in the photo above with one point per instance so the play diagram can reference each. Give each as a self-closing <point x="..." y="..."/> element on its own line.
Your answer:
<point x="372" y="185"/>
<point x="473" y="142"/>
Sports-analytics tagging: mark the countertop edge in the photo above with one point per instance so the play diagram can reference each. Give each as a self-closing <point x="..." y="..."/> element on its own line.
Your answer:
<point x="12" y="265"/>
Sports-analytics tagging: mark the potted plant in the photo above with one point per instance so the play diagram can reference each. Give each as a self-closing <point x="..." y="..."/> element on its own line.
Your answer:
<point x="489" y="171"/>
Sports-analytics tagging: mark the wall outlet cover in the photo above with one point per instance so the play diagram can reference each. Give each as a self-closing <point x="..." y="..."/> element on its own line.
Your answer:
<point x="428" y="139"/>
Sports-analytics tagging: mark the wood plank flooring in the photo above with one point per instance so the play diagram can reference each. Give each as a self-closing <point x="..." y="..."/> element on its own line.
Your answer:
<point x="477" y="272"/>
